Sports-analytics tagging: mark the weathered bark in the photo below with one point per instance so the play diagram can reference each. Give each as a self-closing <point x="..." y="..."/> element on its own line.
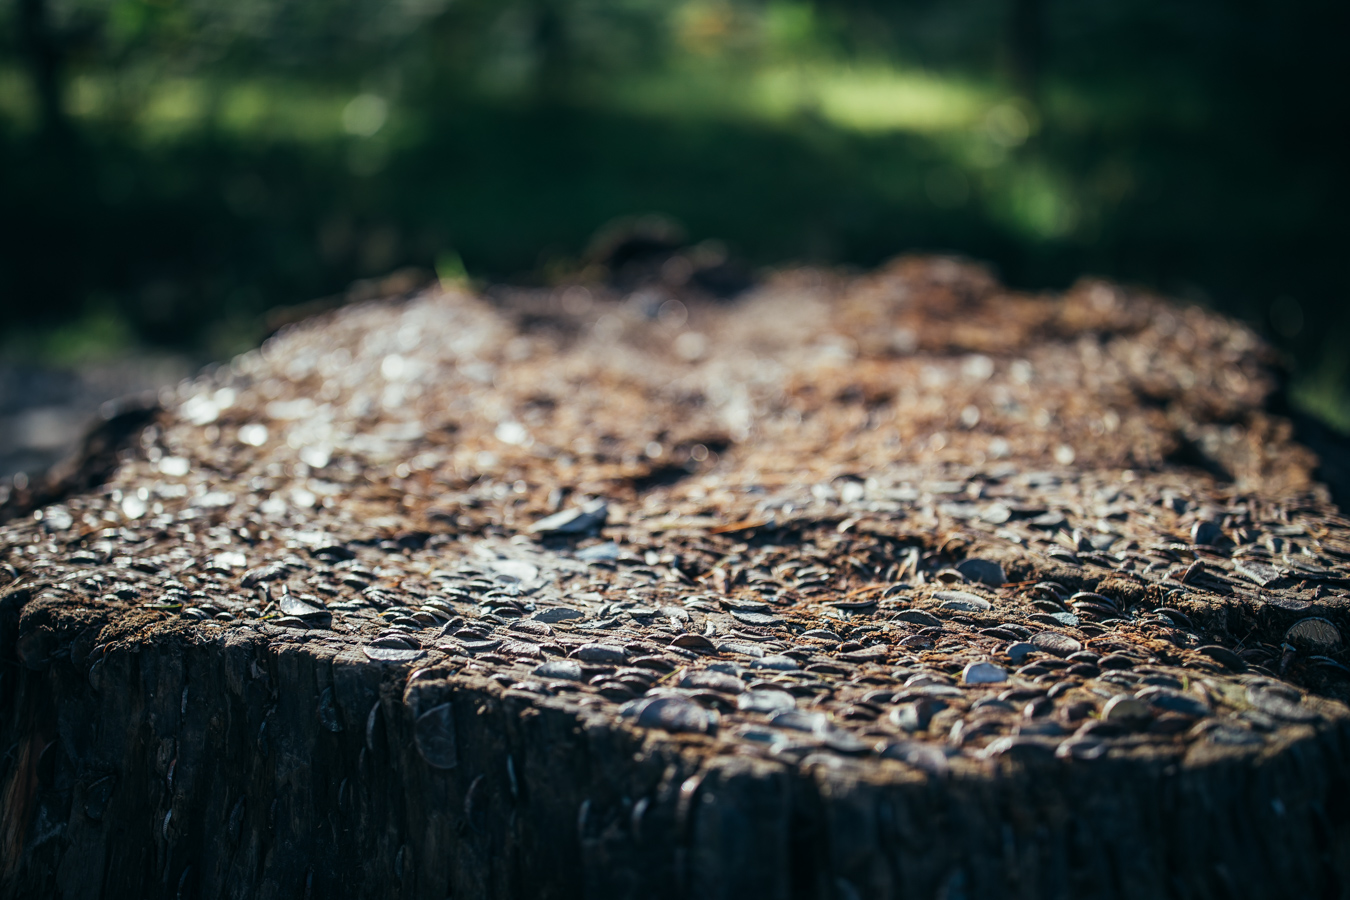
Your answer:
<point x="177" y="726"/>
<point x="226" y="768"/>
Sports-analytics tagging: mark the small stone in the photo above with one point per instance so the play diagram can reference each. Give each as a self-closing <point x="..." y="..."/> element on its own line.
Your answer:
<point x="758" y="620"/>
<point x="1081" y="748"/>
<point x="995" y="514"/>
<point x="1125" y="709"/>
<point x="1043" y="727"/>
<point x="1116" y="661"/>
<point x="736" y="604"/>
<point x="1224" y="657"/>
<point x="600" y="653"/>
<point x="691" y="641"/>
<point x="1314" y="633"/>
<point x="1233" y="736"/>
<point x="97" y="795"/>
<point x="984" y="673"/>
<point x="209" y="500"/>
<point x="563" y="669"/>
<point x="1206" y="533"/>
<point x="1050" y="521"/>
<point x="841" y="741"/>
<point x="392" y="654"/>
<point x="1174" y="701"/>
<point x="1059" y="689"/>
<point x="913" y="716"/>
<point x="1326" y="662"/>
<point x="606" y="552"/>
<point x="328" y="716"/>
<point x="434" y="734"/>
<point x="1088" y="597"/>
<point x="963" y="601"/>
<point x="557" y="614"/>
<point x="777" y="663"/>
<point x="474" y="646"/>
<point x="654" y="663"/>
<point x="930" y="691"/>
<point x="1178" y="618"/>
<point x="773" y="739"/>
<point x="394" y="642"/>
<point x="1019" y="651"/>
<point x="518" y="648"/>
<point x="1273" y="703"/>
<point x="925" y="757"/>
<point x="875" y="653"/>
<point x="674" y="714"/>
<point x="1259" y="572"/>
<point x="918" y="617"/>
<point x="1037" y="707"/>
<point x="1055" y="643"/>
<point x="614" y="690"/>
<point x="1021" y="747"/>
<point x="993" y="703"/>
<point x="513" y="572"/>
<point x="800" y="720"/>
<point x="534" y="628"/>
<point x="293" y="606"/>
<point x="743" y="649"/>
<point x="57" y="518"/>
<point x="853" y="606"/>
<point x="270" y="572"/>
<point x="982" y="571"/>
<point x="765" y="700"/>
<point x="578" y="520"/>
<point x="713" y="681"/>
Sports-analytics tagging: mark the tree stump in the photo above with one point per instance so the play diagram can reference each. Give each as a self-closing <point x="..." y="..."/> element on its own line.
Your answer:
<point x="896" y="585"/>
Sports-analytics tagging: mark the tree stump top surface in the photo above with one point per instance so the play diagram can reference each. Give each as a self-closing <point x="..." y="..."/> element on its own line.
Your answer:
<point x="908" y="522"/>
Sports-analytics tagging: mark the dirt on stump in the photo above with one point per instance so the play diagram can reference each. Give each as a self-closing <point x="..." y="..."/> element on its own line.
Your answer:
<point x="894" y="585"/>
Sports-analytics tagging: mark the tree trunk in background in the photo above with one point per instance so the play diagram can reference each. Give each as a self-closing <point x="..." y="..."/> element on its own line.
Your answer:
<point x="40" y="48"/>
<point x="1026" y="44"/>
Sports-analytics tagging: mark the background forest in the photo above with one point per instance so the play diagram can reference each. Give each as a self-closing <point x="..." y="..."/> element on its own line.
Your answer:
<point x="173" y="170"/>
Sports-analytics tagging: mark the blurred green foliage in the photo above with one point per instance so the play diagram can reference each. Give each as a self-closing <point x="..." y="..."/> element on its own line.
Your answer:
<point x="172" y="169"/>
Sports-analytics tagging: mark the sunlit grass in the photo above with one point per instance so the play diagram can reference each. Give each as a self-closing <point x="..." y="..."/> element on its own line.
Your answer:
<point x="1325" y="402"/>
<point x="179" y="106"/>
<point x="875" y="98"/>
<point x="872" y="98"/>
<point x="1037" y="203"/>
<point x="18" y="106"/>
<point x="1322" y="392"/>
<point x="974" y="128"/>
<point x="183" y="108"/>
